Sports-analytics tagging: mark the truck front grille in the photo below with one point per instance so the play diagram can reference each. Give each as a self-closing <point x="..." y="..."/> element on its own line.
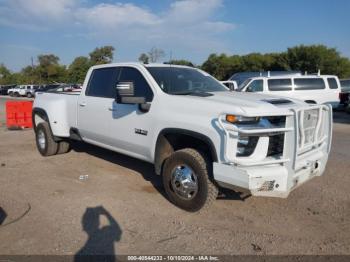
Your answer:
<point x="276" y="143"/>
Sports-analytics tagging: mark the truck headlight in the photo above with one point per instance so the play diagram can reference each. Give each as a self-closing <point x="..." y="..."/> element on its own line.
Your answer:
<point x="242" y="119"/>
<point x="246" y="145"/>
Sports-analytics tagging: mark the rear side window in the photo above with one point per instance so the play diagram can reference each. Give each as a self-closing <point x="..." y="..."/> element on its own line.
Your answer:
<point x="141" y="87"/>
<point x="332" y="83"/>
<point x="309" y="83"/>
<point x="279" y="84"/>
<point x="345" y="85"/>
<point x="103" y="82"/>
<point x="256" y="86"/>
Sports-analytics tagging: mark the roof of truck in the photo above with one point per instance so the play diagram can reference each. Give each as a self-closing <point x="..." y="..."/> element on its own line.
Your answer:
<point x="140" y="64"/>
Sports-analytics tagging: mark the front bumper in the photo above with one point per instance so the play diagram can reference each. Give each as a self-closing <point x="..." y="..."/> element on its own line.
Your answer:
<point x="278" y="177"/>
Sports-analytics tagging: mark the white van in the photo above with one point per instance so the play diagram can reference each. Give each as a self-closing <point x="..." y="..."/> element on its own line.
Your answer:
<point x="313" y="89"/>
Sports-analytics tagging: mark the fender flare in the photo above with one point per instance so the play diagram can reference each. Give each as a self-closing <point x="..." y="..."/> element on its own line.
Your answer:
<point x="42" y="113"/>
<point x="159" y="159"/>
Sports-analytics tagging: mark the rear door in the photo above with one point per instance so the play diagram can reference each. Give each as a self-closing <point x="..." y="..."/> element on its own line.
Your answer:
<point x="95" y="105"/>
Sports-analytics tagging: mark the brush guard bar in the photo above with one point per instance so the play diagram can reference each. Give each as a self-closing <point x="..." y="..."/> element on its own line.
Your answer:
<point x="297" y="137"/>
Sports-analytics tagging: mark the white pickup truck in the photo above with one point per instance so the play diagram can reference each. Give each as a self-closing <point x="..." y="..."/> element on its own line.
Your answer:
<point x="199" y="135"/>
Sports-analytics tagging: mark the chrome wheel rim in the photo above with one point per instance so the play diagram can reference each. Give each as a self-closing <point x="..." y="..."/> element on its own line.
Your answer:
<point x="184" y="182"/>
<point x="41" y="139"/>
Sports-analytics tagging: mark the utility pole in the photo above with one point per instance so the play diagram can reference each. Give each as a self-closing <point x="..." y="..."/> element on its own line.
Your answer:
<point x="32" y="62"/>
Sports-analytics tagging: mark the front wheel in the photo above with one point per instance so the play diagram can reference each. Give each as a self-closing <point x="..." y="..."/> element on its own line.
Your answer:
<point x="187" y="180"/>
<point x="29" y="95"/>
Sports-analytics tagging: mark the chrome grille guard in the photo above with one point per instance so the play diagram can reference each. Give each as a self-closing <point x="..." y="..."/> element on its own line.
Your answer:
<point x="294" y="125"/>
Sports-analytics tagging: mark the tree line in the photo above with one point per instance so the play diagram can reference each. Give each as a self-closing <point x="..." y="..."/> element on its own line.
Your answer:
<point x="302" y="58"/>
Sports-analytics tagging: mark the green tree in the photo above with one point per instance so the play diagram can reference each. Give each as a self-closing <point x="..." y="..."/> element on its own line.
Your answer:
<point x="143" y="58"/>
<point x="78" y="69"/>
<point x="318" y="57"/>
<point x="48" y="70"/>
<point x="5" y="75"/>
<point x="102" y="55"/>
<point x="222" y="66"/>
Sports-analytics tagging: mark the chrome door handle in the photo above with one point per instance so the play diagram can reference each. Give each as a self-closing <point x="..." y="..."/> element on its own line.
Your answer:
<point x="82" y="104"/>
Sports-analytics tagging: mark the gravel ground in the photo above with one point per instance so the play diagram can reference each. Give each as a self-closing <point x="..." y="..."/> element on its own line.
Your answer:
<point x="95" y="200"/>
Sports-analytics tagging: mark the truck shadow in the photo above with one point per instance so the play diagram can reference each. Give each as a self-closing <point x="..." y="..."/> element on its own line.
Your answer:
<point x="142" y="167"/>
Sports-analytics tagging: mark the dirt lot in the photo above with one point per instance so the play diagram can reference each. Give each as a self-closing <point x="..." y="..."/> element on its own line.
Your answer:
<point x="50" y="210"/>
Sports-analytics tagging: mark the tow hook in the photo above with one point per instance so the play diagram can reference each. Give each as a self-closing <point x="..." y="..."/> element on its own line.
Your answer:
<point x="313" y="165"/>
<point x="308" y="165"/>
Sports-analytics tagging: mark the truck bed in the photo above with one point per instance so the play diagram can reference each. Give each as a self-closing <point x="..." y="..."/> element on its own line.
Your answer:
<point x="64" y="104"/>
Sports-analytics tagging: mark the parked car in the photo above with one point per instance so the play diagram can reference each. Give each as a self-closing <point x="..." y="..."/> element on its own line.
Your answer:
<point x="240" y="77"/>
<point x="4" y="89"/>
<point x="197" y="133"/>
<point x="23" y="90"/>
<point x="67" y="88"/>
<point x="29" y="90"/>
<point x="313" y="89"/>
<point x="344" y="95"/>
<point x="45" y="88"/>
<point x="14" y="91"/>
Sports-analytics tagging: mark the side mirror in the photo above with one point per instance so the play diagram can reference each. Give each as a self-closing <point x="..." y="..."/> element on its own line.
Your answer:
<point x="126" y="92"/>
<point x="232" y="85"/>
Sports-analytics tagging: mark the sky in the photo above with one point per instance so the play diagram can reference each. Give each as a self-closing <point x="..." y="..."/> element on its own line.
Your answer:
<point x="184" y="29"/>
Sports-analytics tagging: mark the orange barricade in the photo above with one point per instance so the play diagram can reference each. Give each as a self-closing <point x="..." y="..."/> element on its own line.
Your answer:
<point x="19" y="114"/>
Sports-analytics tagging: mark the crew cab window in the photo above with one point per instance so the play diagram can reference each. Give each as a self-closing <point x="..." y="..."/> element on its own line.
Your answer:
<point x="309" y="83"/>
<point x="141" y="87"/>
<point x="332" y="83"/>
<point x="256" y="86"/>
<point x="279" y="84"/>
<point x="103" y="82"/>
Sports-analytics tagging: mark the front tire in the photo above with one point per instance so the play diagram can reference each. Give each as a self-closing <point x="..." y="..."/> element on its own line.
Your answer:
<point x="45" y="143"/>
<point x="29" y="95"/>
<point x="187" y="180"/>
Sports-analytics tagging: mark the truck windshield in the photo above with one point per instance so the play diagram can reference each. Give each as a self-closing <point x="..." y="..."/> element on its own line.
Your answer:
<point x="184" y="81"/>
<point x="243" y="84"/>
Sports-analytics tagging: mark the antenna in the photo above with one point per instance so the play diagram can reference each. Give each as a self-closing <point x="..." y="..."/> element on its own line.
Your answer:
<point x="319" y="72"/>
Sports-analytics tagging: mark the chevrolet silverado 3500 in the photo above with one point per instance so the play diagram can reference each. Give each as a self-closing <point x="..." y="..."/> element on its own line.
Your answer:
<point x="199" y="135"/>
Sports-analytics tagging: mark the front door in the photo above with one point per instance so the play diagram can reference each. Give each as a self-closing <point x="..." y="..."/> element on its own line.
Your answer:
<point x="131" y="128"/>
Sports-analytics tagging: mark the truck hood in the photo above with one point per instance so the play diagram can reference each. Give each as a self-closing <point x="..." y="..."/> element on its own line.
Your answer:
<point x="248" y="104"/>
<point x="254" y="103"/>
